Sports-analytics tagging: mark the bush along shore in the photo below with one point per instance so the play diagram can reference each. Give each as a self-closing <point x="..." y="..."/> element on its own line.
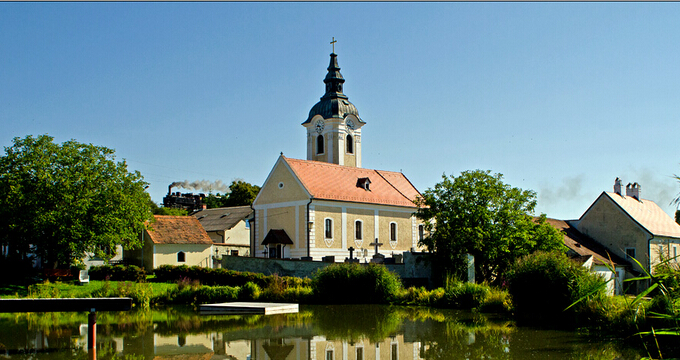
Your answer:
<point x="545" y="289"/>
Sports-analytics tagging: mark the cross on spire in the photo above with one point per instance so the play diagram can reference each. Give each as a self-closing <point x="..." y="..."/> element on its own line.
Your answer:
<point x="333" y="43"/>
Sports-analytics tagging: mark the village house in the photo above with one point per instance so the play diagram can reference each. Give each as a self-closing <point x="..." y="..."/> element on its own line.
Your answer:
<point x="322" y="206"/>
<point x="630" y="227"/>
<point x="228" y="228"/>
<point x="172" y="240"/>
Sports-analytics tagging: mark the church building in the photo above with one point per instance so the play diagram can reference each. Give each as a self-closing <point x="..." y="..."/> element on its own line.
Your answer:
<point x="327" y="204"/>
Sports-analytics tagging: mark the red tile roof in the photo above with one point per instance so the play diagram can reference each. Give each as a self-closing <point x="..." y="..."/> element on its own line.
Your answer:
<point x="177" y="230"/>
<point x="336" y="182"/>
<point x="648" y="214"/>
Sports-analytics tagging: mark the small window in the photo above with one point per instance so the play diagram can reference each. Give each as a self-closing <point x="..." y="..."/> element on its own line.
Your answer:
<point x="360" y="353"/>
<point x="328" y="228"/>
<point x="364" y="183"/>
<point x="358" y="233"/>
<point x="394" y="351"/>
<point x="329" y="354"/>
<point x="630" y="253"/>
<point x="675" y="251"/>
<point x="393" y="231"/>
<point x="234" y="253"/>
<point x="181" y="257"/>
<point x="421" y="232"/>
<point x="350" y="145"/>
<point x="319" y="144"/>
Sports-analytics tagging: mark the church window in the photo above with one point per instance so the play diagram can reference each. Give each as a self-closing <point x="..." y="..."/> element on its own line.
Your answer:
<point x="393" y="231"/>
<point x="319" y="144"/>
<point x="350" y="144"/>
<point x="328" y="228"/>
<point x="181" y="257"/>
<point x="358" y="231"/>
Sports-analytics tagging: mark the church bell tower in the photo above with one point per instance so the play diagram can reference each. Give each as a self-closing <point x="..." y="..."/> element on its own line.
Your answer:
<point x="333" y="125"/>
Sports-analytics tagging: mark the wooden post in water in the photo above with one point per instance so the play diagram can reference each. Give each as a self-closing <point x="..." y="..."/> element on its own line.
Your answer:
<point x="92" y="330"/>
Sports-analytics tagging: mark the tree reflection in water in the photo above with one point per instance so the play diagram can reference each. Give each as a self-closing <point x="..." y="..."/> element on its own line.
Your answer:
<point x="351" y="332"/>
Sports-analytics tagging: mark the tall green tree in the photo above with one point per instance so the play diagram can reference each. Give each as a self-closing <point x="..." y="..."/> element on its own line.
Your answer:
<point x="58" y="201"/>
<point x="476" y="213"/>
<point x="241" y="193"/>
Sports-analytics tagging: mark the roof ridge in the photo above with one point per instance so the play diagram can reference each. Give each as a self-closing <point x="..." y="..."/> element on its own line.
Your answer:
<point x="392" y="185"/>
<point x="323" y="163"/>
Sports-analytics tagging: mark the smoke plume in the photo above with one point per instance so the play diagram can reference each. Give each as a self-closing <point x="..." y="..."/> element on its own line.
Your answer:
<point x="204" y="185"/>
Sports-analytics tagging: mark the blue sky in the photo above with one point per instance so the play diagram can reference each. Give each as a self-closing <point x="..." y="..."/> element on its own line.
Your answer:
<point x="560" y="98"/>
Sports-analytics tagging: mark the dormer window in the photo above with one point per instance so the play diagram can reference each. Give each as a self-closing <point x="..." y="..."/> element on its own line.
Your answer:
<point x="364" y="183"/>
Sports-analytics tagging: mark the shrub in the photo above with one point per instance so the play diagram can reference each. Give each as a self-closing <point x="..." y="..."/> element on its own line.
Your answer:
<point x="139" y="292"/>
<point x="464" y="295"/>
<point x="355" y="284"/>
<point x="117" y="273"/>
<point x="496" y="301"/>
<point x="249" y="291"/>
<point x="185" y="282"/>
<point x="224" y="277"/>
<point x="544" y="284"/>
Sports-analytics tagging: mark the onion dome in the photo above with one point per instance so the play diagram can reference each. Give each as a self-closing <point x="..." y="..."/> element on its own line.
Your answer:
<point x="333" y="104"/>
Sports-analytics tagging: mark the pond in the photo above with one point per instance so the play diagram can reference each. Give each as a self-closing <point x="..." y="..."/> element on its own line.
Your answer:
<point x="349" y="332"/>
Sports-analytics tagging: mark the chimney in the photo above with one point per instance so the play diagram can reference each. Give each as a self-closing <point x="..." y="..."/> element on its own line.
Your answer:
<point x="633" y="190"/>
<point x="617" y="186"/>
<point x="170" y="189"/>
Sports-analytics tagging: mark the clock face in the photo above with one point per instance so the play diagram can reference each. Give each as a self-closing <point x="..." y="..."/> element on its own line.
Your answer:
<point x="319" y="126"/>
<point x="350" y="124"/>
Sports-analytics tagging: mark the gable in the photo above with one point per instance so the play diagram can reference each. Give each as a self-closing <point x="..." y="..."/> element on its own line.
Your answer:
<point x="281" y="186"/>
<point x="647" y="214"/>
<point x="617" y="212"/>
<point x="607" y="223"/>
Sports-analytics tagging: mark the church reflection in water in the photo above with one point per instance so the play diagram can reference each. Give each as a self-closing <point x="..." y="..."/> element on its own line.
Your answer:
<point x="209" y="346"/>
<point x="320" y="348"/>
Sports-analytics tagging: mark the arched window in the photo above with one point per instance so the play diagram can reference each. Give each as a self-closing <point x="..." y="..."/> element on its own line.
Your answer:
<point x="421" y="232"/>
<point x="181" y="257"/>
<point x="319" y="144"/>
<point x="350" y="144"/>
<point x="393" y="231"/>
<point x="328" y="228"/>
<point x="358" y="231"/>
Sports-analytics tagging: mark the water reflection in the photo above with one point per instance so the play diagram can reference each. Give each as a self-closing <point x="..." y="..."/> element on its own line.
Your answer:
<point x="316" y="333"/>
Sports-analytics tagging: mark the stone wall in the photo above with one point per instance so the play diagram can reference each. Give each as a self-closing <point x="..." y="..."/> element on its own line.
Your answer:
<point x="415" y="269"/>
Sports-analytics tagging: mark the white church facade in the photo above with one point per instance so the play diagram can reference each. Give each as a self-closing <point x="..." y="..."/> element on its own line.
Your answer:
<point x="327" y="204"/>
